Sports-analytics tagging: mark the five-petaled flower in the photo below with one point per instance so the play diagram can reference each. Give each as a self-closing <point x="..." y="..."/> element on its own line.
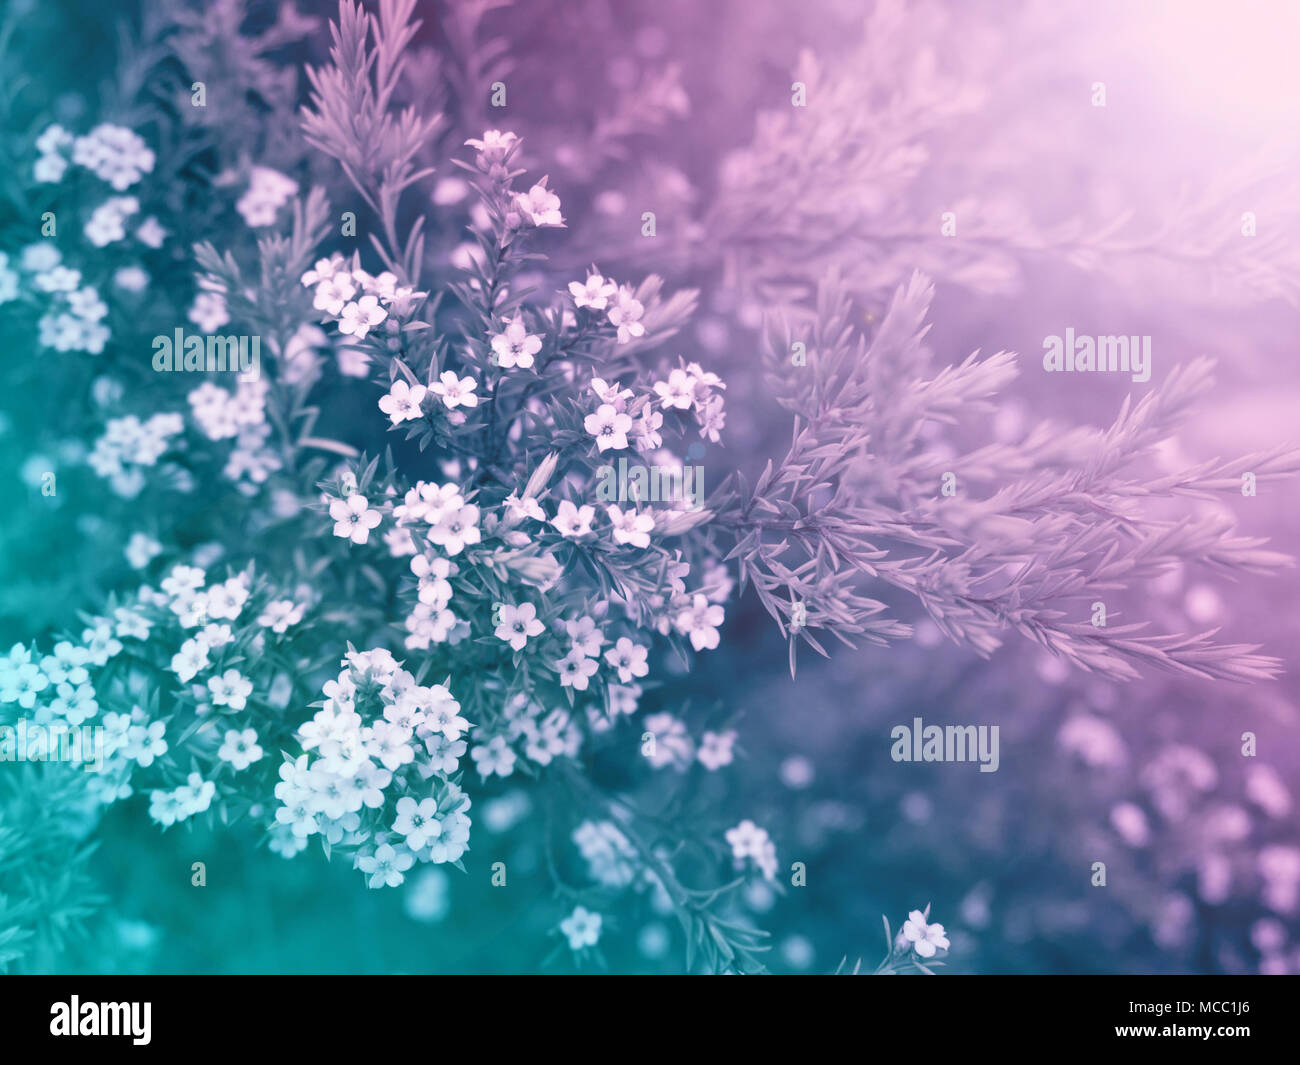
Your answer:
<point x="402" y="401"/>
<point x="353" y="518"/>
<point x="609" y="427"/>
<point x="925" y="937"/>
<point x="455" y="391"/>
<point x="515" y="346"/>
<point x="516" y="624"/>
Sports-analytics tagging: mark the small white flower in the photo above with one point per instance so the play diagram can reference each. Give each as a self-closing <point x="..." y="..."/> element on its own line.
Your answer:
<point x="516" y="624"/>
<point x="495" y="756"/>
<point x="402" y="402"/>
<point x="231" y="689"/>
<point x="595" y="292"/>
<point x="609" y="427"/>
<point x="629" y="659"/>
<point x="357" y="318"/>
<point x="240" y="749"/>
<point x="626" y="314"/>
<point x="576" y="670"/>
<point x="515" y="346"/>
<point x="581" y="928"/>
<point x="678" y="391"/>
<point x="631" y="526"/>
<point x="572" y="521"/>
<point x="540" y="206"/>
<point x="353" y="518"/>
<point x="700" y="621"/>
<point x="925" y="938"/>
<point x="455" y="392"/>
<point x="456" y="529"/>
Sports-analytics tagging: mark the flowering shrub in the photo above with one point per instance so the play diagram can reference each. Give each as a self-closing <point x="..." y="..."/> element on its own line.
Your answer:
<point x="388" y="601"/>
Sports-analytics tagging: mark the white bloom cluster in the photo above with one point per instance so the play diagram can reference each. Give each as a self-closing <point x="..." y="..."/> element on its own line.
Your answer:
<point x="375" y="775"/>
<point x="221" y="415"/>
<point x="691" y="388"/>
<point x="357" y="301"/>
<point x="115" y="154"/>
<point x="74" y="319"/>
<point x="619" y="303"/>
<point x="180" y="804"/>
<point x="672" y="745"/>
<point x="107" y="223"/>
<point x="747" y="840"/>
<point x="530" y="731"/>
<point x="268" y="191"/>
<point x="611" y="860"/>
<point x="128" y="445"/>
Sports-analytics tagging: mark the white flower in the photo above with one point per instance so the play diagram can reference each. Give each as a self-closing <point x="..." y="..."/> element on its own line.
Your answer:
<point x="595" y="293"/>
<point x="528" y="507"/>
<point x="747" y="840"/>
<point x="517" y="623"/>
<point x="924" y="937"/>
<point x="141" y="550"/>
<point x="716" y="749"/>
<point x="131" y="279"/>
<point x="385" y="866"/>
<point x="144" y="743"/>
<point x="572" y="521"/>
<point x="150" y="233"/>
<point x="353" y="518"/>
<point x="231" y="689"/>
<point x="678" y="391"/>
<point x="609" y="427"/>
<point x="455" y="392"/>
<point x="581" y="928"/>
<point x="189" y="660"/>
<point x="457" y="528"/>
<point x="700" y="621"/>
<point x="432" y="573"/>
<point x="357" y="318"/>
<point x="626" y="314"/>
<point x="584" y="636"/>
<point x="227" y="599"/>
<point x="629" y="659"/>
<point x="417" y="821"/>
<point x="240" y="749"/>
<point x="576" y="670"/>
<point x="402" y="403"/>
<point x="495" y="756"/>
<point x="280" y="614"/>
<point x="333" y="292"/>
<point x="515" y="346"/>
<point x="209" y="312"/>
<point x="443" y="715"/>
<point x="631" y="526"/>
<point x="540" y="206"/>
<point x="493" y="147"/>
<point x="323" y="270"/>
<point x="115" y="154"/>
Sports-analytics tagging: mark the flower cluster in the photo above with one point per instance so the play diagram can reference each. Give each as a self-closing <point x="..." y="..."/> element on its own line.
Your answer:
<point x="749" y="842"/>
<point x="113" y="153"/>
<point x="376" y="775"/>
<point x="129" y="445"/>
<point x="268" y="191"/>
<point x="356" y="301"/>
